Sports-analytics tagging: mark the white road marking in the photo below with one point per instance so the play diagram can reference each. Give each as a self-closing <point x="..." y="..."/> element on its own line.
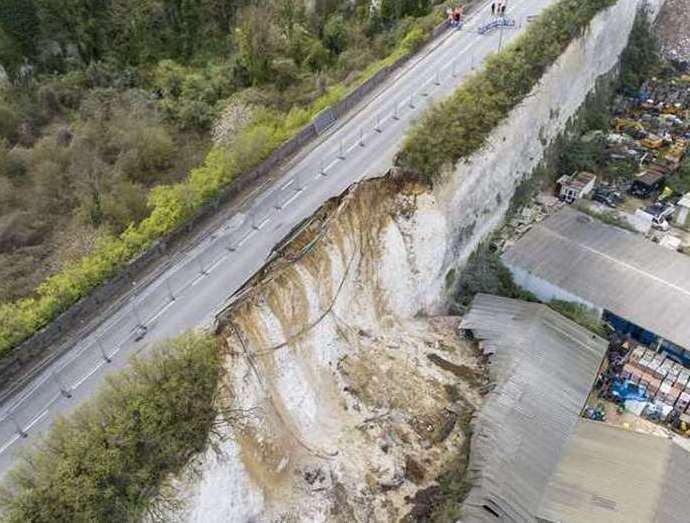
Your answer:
<point x="402" y="103"/>
<point x="160" y="312"/>
<point x="117" y="349"/>
<point x="216" y="263"/>
<point x="87" y="375"/>
<point x="9" y="443"/>
<point x="35" y="420"/>
<point x="288" y="184"/>
<point x="294" y="197"/>
<point x="244" y="240"/>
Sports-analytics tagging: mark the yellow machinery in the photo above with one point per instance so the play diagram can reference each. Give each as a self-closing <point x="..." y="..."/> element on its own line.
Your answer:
<point x="677" y="150"/>
<point x="626" y="125"/>
<point x="674" y="109"/>
<point x="652" y="141"/>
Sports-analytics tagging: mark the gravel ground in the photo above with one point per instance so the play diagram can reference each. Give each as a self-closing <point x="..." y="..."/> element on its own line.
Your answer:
<point x="673" y="28"/>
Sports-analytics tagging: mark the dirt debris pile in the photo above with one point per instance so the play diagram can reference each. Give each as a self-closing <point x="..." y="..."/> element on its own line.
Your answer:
<point x="672" y="28"/>
<point x="344" y="403"/>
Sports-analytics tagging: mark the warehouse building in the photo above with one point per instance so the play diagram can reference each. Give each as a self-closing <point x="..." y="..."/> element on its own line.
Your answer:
<point x="532" y="457"/>
<point x="642" y="289"/>
<point x="613" y="475"/>
<point x="544" y="367"/>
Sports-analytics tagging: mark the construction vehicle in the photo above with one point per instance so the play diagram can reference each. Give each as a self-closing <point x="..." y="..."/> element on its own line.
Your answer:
<point x="652" y="141"/>
<point x="630" y="127"/>
<point x="677" y="151"/>
<point x="673" y="108"/>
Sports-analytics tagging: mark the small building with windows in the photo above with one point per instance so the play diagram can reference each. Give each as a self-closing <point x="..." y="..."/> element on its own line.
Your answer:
<point x="577" y="185"/>
<point x="638" y="286"/>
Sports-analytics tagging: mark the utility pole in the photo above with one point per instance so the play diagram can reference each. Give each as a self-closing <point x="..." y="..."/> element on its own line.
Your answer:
<point x="136" y="315"/>
<point x="63" y="390"/>
<point x="17" y="427"/>
<point x="101" y="348"/>
<point x="169" y="287"/>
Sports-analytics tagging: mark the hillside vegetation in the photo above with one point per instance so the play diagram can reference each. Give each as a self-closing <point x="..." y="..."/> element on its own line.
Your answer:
<point x="119" y="118"/>
<point x="460" y="125"/>
<point x="110" y="459"/>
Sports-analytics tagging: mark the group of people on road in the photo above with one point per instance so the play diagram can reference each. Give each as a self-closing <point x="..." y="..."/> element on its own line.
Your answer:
<point x="455" y="16"/>
<point x="499" y="8"/>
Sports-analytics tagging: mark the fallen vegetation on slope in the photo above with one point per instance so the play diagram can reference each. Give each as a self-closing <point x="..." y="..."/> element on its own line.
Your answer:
<point x="460" y="125"/>
<point x="485" y="273"/>
<point x="112" y="457"/>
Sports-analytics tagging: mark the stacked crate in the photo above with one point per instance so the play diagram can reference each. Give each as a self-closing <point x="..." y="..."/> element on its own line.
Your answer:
<point x="664" y="379"/>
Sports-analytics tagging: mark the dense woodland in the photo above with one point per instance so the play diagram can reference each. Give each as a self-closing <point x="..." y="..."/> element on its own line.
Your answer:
<point x="103" y="100"/>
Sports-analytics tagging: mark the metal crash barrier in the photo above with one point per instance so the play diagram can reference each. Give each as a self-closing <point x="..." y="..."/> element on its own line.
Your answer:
<point x="502" y="21"/>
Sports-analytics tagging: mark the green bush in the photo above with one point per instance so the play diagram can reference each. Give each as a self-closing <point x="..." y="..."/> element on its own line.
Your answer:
<point x="580" y="314"/>
<point x="640" y="57"/>
<point x="680" y="183"/>
<point x="460" y="125"/>
<point x="110" y="459"/>
<point x="414" y="40"/>
<point x="9" y="121"/>
<point x="485" y="273"/>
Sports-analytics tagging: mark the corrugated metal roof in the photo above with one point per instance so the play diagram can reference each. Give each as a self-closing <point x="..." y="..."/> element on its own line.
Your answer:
<point x="543" y="366"/>
<point x="609" y="474"/>
<point x="612" y="269"/>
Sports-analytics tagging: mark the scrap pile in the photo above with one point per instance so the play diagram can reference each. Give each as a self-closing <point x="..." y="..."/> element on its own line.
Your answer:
<point x="524" y="219"/>
<point x="650" y="384"/>
<point x="664" y="379"/>
<point x="653" y="131"/>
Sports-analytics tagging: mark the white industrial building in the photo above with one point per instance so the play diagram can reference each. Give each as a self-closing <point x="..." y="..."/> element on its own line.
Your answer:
<point x="638" y="286"/>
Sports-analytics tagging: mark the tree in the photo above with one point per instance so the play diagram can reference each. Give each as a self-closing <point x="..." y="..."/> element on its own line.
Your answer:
<point x="9" y="121"/>
<point x="680" y="182"/>
<point x="84" y="24"/>
<point x="255" y="40"/>
<point x="335" y="34"/>
<point x="392" y="10"/>
<point x="20" y="25"/>
<point x="640" y="56"/>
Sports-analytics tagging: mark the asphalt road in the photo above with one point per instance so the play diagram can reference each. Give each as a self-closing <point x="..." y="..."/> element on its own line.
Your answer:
<point x="190" y="291"/>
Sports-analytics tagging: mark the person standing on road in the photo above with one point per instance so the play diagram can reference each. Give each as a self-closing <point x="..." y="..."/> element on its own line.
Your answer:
<point x="493" y="8"/>
<point x="503" y="9"/>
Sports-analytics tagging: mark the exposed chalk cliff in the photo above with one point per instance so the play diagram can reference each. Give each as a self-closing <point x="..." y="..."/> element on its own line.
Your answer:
<point x="346" y="386"/>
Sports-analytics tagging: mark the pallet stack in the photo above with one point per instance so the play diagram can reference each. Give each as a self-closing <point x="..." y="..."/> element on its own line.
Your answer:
<point x="664" y="379"/>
